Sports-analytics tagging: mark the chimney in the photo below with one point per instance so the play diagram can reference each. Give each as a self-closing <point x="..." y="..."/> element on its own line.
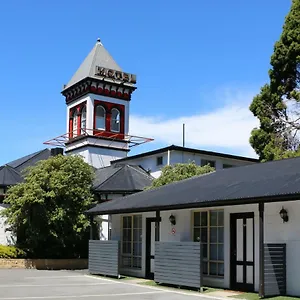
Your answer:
<point x="57" y="151"/>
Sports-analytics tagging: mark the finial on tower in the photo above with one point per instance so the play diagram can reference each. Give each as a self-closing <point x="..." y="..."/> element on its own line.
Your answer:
<point x="98" y="40"/>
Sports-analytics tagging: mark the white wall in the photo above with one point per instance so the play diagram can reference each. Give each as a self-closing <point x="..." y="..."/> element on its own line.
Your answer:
<point x="98" y="157"/>
<point x="275" y="232"/>
<point x="149" y="162"/>
<point x="5" y="236"/>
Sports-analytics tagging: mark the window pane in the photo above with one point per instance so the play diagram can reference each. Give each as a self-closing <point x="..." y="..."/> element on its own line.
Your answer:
<point x="213" y="234"/>
<point x="203" y="236"/>
<point x="221" y="269"/>
<point x="213" y="218"/>
<point x="126" y="262"/>
<point x="221" y="252"/>
<point x="196" y="219"/>
<point x="197" y="235"/>
<point x="213" y="268"/>
<point x="220" y="234"/>
<point x="204" y="251"/>
<point x="204" y="218"/>
<point x="137" y="249"/>
<point x="137" y="262"/>
<point x="213" y="253"/>
<point x="220" y="218"/>
<point x="204" y="265"/>
<point x="115" y="120"/>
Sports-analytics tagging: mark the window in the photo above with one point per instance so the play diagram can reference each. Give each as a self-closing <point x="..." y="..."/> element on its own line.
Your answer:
<point x="83" y="120"/>
<point x="75" y="123"/>
<point x="226" y="166"/>
<point x="132" y="242"/>
<point x="100" y="117"/>
<point x="159" y="160"/>
<point x="208" y="228"/>
<point x="115" y="120"/>
<point x="205" y="162"/>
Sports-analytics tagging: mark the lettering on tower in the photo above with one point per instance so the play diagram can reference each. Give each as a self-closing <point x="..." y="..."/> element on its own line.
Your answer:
<point x="113" y="74"/>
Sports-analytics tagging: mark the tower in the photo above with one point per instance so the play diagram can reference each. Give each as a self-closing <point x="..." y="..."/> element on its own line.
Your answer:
<point x="97" y="98"/>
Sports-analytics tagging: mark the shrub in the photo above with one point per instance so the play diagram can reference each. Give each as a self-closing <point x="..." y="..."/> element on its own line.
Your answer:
<point x="11" y="252"/>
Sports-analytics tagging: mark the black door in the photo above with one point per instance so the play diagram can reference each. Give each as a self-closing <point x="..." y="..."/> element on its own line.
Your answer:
<point x="242" y="251"/>
<point x="150" y="244"/>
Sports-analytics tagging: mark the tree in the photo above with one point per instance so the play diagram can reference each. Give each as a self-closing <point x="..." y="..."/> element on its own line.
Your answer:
<point x="179" y="172"/>
<point x="46" y="211"/>
<point x="277" y="104"/>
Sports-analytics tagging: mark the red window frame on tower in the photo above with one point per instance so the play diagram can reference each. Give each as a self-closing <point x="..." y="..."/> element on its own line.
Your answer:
<point x="79" y="109"/>
<point x="108" y="109"/>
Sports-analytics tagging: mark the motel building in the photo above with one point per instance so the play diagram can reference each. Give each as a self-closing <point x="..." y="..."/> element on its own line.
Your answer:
<point x="235" y="228"/>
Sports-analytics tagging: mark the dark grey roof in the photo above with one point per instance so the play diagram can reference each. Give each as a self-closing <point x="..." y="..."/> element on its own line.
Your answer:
<point x="184" y="149"/>
<point x="269" y="181"/>
<point x="29" y="160"/>
<point x="99" y="56"/>
<point x="121" y="178"/>
<point x="9" y="176"/>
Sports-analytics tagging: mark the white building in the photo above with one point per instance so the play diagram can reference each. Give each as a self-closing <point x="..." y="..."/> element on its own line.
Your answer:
<point x="246" y="218"/>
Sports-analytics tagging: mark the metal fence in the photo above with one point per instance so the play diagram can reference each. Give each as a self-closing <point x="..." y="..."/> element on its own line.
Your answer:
<point x="104" y="257"/>
<point x="178" y="263"/>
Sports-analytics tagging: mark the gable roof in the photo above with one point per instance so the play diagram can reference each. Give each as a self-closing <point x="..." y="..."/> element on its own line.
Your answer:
<point x="98" y="56"/>
<point x="29" y="160"/>
<point x="271" y="181"/>
<point x="184" y="149"/>
<point x="9" y="176"/>
<point x="121" y="178"/>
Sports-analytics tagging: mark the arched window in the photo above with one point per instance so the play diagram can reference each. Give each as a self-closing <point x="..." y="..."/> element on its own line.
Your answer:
<point x="83" y="120"/>
<point x="115" y="120"/>
<point x="100" y="117"/>
<point x="75" y="123"/>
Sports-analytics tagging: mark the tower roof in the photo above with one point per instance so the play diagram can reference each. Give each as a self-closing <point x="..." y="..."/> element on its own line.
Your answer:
<point x="98" y="56"/>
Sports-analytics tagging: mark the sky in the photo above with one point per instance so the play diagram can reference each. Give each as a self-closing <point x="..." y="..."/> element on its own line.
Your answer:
<point x="197" y="62"/>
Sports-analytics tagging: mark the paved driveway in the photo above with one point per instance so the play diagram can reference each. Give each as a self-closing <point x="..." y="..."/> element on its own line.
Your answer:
<point x="18" y="284"/>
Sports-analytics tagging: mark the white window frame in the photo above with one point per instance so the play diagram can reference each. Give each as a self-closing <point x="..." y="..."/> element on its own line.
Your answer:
<point x="103" y="118"/>
<point x="83" y="120"/>
<point x="131" y="256"/>
<point x="208" y="260"/>
<point x="116" y="120"/>
<point x="75" y="123"/>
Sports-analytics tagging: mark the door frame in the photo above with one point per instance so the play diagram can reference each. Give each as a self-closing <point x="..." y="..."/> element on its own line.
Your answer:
<point x="148" y="255"/>
<point x="233" y="218"/>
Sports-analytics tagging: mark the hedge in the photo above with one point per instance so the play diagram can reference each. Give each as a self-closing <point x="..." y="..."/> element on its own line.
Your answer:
<point x="11" y="252"/>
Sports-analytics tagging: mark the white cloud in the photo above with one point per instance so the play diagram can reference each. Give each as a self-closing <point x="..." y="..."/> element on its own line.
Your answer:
<point x="227" y="126"/>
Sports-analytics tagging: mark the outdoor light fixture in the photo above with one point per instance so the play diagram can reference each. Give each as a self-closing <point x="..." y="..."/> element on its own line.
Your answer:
<point x="172" y="220"/>
<point x="284" y="215"/>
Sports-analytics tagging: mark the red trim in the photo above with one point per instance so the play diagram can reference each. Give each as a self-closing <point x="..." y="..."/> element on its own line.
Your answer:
<point x="108" y="107"/>
<point x="79" y="109"/>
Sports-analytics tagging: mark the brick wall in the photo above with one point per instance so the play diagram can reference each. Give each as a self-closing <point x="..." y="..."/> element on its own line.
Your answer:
<point x="44" y="264"/>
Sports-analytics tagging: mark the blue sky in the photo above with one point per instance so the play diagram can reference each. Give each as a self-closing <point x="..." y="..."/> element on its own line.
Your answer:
<point x="198" y="62"/>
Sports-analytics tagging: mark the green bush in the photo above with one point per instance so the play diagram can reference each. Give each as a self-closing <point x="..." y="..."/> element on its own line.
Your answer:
<point x="11" y="252"/>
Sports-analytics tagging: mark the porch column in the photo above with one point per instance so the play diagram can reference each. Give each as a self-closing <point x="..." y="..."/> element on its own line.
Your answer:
<point x="261" y="251"/>
<point x="157" y="227"/>
<point x="91" y="227"/>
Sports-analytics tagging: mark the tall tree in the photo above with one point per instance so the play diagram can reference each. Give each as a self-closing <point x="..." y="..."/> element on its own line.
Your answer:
<point x="278" y="105"/>
<point x="46" y="211"/>
<point x="179" y="172"/>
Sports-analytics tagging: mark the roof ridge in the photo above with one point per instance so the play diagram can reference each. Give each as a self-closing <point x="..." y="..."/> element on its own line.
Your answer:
<point x="140" y="171"/>
<point x="34" y="155"/>
<point x="119" y="168"/>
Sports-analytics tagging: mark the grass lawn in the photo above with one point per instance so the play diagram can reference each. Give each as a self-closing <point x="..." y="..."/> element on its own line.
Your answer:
<point x="254" y="296"/>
